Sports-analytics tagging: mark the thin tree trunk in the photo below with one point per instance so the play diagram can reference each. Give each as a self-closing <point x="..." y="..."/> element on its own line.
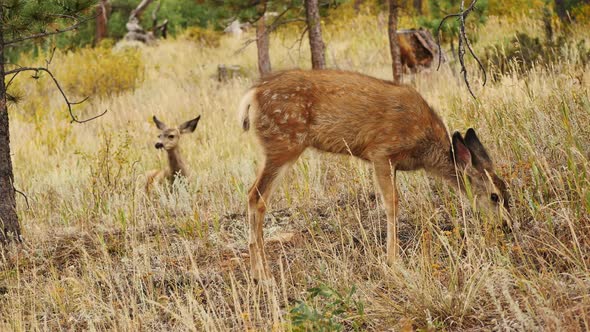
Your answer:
<point x="396" y="63"/>
<point x="262" y="44"/>
<point x="101" y="21"/>
<point x="318" y="60"/>
<point x="9" y="226"/>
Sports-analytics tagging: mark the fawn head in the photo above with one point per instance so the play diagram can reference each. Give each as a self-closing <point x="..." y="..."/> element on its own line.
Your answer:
<point x="472" y="158"/>
<point x="169" y="137"/>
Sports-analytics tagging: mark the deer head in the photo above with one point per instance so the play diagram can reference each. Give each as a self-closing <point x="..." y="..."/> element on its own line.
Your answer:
<point x="472" y="158"/>
<point x="169" y="137"/>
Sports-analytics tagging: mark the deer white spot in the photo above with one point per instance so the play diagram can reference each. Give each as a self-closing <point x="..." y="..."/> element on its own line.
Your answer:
<point x="277" y="111"/>
<point x="297" y="88"/>
<point x="274" y="96"/>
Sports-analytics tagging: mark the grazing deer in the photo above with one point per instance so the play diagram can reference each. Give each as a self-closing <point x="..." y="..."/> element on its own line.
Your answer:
<point x="168" y="140"/>
<point x="389" y="125"/>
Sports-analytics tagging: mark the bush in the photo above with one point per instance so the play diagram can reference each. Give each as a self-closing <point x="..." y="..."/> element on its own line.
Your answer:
<point x="100" y="72"/>
<point x="524" y="51"/>
<point x="203" y="37"/>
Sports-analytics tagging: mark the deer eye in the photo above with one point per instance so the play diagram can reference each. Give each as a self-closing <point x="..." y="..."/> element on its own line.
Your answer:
<point x="494" y="197"/>
<point x="170" y="136"/>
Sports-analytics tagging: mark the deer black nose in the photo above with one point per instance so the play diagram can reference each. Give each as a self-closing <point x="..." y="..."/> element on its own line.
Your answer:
<point x="159" y="145"/>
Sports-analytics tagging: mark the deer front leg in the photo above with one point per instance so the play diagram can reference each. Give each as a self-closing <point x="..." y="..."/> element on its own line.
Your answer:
<point x="385" y="178"/>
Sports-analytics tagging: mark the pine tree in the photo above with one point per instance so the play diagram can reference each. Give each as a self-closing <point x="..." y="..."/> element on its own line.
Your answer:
<point x="22" y="21"/>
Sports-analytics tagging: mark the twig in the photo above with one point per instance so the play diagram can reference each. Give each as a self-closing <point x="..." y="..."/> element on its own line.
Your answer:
<point x="65" y="97"/>
<point x="25" y="196"/>
<point x="463" y="41"/>
<point x="300" y="39"/>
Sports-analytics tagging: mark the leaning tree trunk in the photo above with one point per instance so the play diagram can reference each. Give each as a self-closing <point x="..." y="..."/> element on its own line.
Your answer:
<point x="134" y="29"/>
<point x="312" y="11"/>
<point x="396" y="63"/>
<point x="262" y="44"/>
<point x="9" y="226"/>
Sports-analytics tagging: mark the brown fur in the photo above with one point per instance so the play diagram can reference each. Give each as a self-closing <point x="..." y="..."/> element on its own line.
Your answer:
<point x="389" y="125"/>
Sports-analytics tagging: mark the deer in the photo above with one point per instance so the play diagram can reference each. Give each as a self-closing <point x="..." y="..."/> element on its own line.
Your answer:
<point x="168" y="139"/>
<point x="342" y="112"/>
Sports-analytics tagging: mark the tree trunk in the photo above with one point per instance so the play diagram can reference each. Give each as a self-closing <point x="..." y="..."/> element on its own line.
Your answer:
<point x="393" y="41"/>
<point x="102" y="13"/>
<point x="262" y="44"/>
<point x="9" y="226"/>
<point x="418" y="6"/>
<point x="316" y="43"/>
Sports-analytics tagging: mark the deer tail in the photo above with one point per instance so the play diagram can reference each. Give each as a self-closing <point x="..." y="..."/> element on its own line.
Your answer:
<point x="246" y="103"/>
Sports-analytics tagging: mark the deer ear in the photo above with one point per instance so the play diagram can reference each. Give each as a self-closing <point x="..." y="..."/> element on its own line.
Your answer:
<point x="481" y="159"/>
<point x="460" y="151"/>
<point x="189" y="126"/>
<point x="159" y="123"/>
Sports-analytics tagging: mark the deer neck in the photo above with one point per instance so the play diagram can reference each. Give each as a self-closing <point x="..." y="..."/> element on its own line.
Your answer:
<point x="438" y="160"/>
<point x="176" y="163"/>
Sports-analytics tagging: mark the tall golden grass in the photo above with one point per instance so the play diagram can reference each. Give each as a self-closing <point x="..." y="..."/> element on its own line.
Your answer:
<point x="100" y="255"/>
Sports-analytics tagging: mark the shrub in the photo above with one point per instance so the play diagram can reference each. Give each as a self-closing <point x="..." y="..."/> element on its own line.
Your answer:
<point x="524" y="51"/>
<point x="203" y="37"/>
<point x="100" y="72"/>
<point x="332" y="311"/>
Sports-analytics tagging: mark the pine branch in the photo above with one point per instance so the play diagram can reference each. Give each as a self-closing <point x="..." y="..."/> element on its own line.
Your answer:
<point x="49" y="33"/>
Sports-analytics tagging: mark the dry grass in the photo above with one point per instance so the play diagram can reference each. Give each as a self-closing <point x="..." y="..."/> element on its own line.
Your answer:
<point x="99" y="255"/>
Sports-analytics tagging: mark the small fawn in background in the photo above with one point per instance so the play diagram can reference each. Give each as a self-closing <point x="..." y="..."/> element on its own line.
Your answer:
<point x="168" y="140"/>
<point x="389" y="125"/>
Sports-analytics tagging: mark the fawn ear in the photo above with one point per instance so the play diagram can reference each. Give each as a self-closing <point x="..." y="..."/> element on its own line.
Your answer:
<point x="159" y="123"/>
<point x="189" y="126"/>
<point x="460" y="151"/>
<point x="481" y="159"/>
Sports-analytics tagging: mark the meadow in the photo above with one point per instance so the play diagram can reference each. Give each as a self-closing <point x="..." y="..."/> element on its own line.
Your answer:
<point x="99" y="254"/>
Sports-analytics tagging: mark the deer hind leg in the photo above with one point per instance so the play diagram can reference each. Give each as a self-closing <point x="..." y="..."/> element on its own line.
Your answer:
<point x="385" y="178"/>
<point x="258" y="198"/>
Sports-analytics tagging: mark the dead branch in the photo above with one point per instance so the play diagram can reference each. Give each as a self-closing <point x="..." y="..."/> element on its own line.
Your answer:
<point x="300" y="39"/>
<point x="463" y="41"/>
<point x="69" y="103"/>
<point x="24" y="195"/>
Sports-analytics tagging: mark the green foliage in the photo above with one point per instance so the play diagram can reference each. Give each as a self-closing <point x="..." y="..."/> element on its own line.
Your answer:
<point x="332" y="311"/>
<point x="441" y="8"/>
<point x="23" y="17"/>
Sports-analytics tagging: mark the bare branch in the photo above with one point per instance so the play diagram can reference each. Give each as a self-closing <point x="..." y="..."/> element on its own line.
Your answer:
<point x="25" y="197"/>
<point x="65" y="97"/>
<point x="49" y="33"/>
<point x="136" y="13"/>
<point x="463" y="43"/>
<point x="300" y="39"/>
